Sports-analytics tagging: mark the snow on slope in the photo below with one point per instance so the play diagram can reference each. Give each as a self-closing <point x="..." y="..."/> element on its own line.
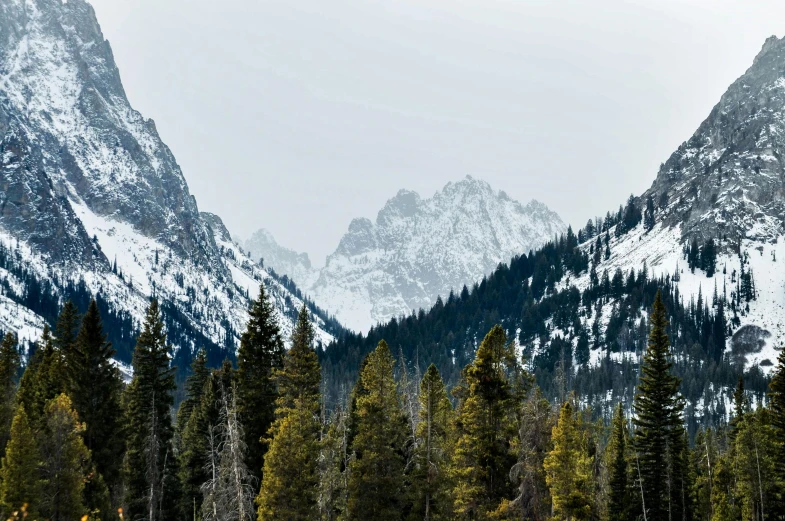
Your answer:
<point x="91" y="193"/>
<point x="416" y="251"/>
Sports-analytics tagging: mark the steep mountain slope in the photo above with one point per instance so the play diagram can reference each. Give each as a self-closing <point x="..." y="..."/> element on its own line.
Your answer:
<point x="709" y="233"/>
<point x="91" y="197"/>
<point x="417" y="250"/>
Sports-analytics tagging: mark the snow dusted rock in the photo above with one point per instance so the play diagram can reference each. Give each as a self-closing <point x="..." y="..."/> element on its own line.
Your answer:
<point x="92" y="194"/>
<point x="420" y="249"/>
<point x="264" y="249"/>
<point x="726" y="183"/>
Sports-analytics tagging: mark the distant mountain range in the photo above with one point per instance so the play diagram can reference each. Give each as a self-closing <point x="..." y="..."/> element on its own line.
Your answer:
<point x="93" y="203"/>
<point x="416" y="251"/>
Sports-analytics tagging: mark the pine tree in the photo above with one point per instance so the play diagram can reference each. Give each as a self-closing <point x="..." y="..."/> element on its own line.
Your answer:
<point x="192" y="431"/>
<point x="429" y="479"/>
<point x="290" y="477"/>
<point x="43" y="378"/>
<point x="20" y="483"/>
<point x="66" y="328"/>
<point x="376" y="475"/>
<point x="659" y="430"/>
<point x="95" y="387"/>
<point x="533" y="500"/>
<point x="66" y="462"/>
<point x="621" y="495"/>
<point x="486" y="422"/>
<point x="334" y="460"/>
<point x="568" y="468"/>
<point x="755" y="466"/>
<point x="9" y="370"/>
<point x="149" y="465"/>
<point x="777" y="406"/>
<point x="260" y="354"/>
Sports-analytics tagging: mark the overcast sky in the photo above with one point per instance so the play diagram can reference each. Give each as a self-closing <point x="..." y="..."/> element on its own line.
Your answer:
<point x="298" y="115"/>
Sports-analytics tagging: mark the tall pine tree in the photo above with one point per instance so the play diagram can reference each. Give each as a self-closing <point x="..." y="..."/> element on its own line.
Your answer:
<point x="66" y="462"/>
<point x="192" y="429"/>
<point x="659" y="429"/>
<point x="260" y="354"/>
<point x="568" y="468"/>
<point x="430" y="478"/>
<point x="621" y="495"/>
<point x="777" y="406"/>
<point x="149" y="465"/>
<point x="485" y="425"/>
<point x="95" y="387"/>
<point x="290" y="481"/>
<point x="20" y="483"/>
<point x="376" y="475"/>
<point x="9" y="370"/>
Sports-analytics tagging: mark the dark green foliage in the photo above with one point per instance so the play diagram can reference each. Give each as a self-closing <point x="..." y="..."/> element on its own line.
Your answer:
<point x="95" y="387"/>
<point x="290" y="482"/>
<point x="777" y="404"/>
<point x="9" y="371"/>
<point x="260" y="354"/>
<point x="376" y="475"/>
<point x="621" y="496"/>
<point x="659" y="437"/>
<point x="20" y="483"/>
<point x="149" y="463"/>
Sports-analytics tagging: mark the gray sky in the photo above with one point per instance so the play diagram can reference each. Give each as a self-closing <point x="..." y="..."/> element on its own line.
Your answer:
<point x="298" y="115"/>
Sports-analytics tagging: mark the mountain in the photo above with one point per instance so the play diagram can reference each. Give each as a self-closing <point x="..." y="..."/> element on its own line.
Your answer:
<point x="708" y="233"/>
<point x="266" y="251"/>
<point x="416" y="250"/>
<point x="92" y="202"/>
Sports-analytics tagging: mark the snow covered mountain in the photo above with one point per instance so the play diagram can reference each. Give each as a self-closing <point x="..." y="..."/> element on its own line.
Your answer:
<point x="266" y="251"/>
<point x="724" y="186"/>
<point x="417" y="250"/>
<point x="91" y="198"/>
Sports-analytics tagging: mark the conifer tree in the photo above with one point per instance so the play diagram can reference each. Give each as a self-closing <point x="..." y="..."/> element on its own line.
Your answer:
<point x="95" y="387"/>
<point x="376" y="475"/>
<point x="20" y="483"/>
<point x="66" y="462"/>
<point x="149" y="465"/>
<point x="755" y="466"/>
<point x="290" y="477"/>
<point x="66" y="328"/>
<point x="333" y="462"/>
<point x="43" y="378"/>
<point x="261" y="352"/>
<point x="9" y="369"/>
<point x="192" y="431"/>
<point x="659" y="430"/>
<point x="621" y="495"/>
<point x="568" y="469"/>
<point x="486" y="422"/>
<point x="429" y="479"/>
<point x="777" y="406"/>
<point x="533" y="500"/>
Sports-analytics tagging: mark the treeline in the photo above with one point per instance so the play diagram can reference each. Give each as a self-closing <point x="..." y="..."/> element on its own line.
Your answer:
<point x="257" y="441"/>
<point x="588" y="339"/>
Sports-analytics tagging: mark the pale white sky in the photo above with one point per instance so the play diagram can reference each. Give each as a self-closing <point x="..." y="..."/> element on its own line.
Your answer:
<point x="298" y="115"/>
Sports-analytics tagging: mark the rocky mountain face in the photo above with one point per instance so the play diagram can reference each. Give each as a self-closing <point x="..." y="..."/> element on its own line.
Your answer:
<point x="728" y="179"/>
<point x="265" y="250"/>
<point x="89" y="193"/>
<point x="726" y="184"/>
<point x="417" y="250"/>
